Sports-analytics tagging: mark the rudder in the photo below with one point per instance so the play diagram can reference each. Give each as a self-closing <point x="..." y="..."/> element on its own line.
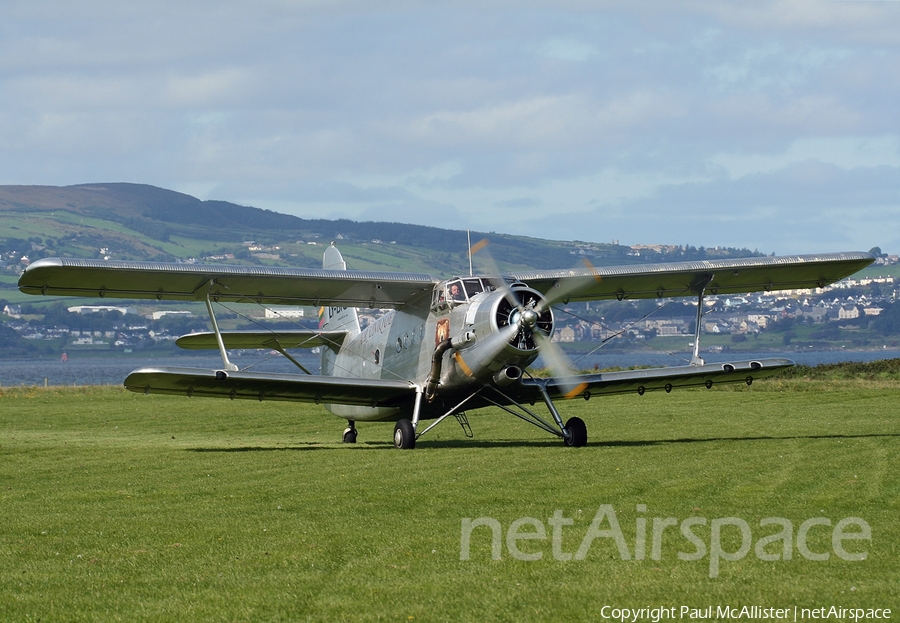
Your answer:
<point x="337" y="318"/>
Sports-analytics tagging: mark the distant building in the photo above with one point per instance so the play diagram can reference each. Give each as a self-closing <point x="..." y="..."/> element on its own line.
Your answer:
<point x="159" y="314"/>
<point x="92" y="309"/>
<point x="761" y="320"/>
<point x="666" y="326"/>
<point x="13" y="311"/>
<point x="284" y="311"/>
<point x="566" y="334"/>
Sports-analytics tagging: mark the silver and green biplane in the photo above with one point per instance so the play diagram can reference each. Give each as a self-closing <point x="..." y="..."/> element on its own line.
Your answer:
<point x="444" y="347"/>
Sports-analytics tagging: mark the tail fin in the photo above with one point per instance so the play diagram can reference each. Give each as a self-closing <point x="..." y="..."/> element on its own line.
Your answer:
<point x="337" y="318"/>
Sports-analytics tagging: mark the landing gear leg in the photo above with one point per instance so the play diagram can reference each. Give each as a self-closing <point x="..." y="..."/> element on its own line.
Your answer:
<point x="574" y="432"/>
<point x="350" y="433"/>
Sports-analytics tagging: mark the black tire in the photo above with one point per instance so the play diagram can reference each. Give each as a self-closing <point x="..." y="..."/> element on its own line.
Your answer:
<point x="349" y="435"/>
<point x="577" y="433"/>
<point x="404" y="435"/>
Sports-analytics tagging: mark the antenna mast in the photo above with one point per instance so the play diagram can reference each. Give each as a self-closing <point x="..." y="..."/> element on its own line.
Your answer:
<point x="469" y="241"/>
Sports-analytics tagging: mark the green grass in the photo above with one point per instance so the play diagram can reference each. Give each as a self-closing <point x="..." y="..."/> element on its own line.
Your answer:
<point x="892" y="270"/>
<point x="771" y="341"/>
<point x="116" y="506"/>
<point x="19" y="226"/>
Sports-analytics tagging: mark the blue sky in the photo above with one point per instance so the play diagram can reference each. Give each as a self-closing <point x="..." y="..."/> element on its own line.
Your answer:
<point x="771" y="125"/>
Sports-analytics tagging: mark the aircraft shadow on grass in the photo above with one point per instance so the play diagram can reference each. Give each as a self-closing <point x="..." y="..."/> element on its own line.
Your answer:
<point x="492" y="443"/>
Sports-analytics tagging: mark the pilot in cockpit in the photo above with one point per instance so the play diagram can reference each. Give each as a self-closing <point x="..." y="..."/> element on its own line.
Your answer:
<point x="452" y="293"/>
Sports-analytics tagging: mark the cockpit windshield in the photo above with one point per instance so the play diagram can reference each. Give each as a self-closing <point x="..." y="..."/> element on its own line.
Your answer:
<point x="459" y="290"/>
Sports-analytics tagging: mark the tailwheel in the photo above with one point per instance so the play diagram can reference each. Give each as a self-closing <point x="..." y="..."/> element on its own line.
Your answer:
<point x="404" y="435"/>
<point x="575" y="433"/>
<point x="349" y="433"/>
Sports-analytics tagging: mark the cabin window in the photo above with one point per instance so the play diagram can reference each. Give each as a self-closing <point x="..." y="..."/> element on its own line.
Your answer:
<point x="458" y="291"/>
<point x="473" y="287"/>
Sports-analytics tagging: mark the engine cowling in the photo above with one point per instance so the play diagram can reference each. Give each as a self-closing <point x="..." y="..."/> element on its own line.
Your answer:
<point x="504" y="324"/>
<point x="531" y="314"/>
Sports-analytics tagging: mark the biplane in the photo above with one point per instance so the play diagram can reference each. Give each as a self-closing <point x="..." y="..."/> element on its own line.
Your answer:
<point x="445" y="346"/>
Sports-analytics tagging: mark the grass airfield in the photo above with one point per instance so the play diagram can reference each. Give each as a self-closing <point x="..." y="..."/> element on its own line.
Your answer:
<point x="117" y="506"/>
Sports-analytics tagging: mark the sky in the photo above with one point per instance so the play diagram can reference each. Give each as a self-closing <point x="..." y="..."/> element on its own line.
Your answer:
<point x="771" y="125"/>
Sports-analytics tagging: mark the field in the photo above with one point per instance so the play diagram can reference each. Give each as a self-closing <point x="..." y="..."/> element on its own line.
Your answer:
<point x="124" y="507"/>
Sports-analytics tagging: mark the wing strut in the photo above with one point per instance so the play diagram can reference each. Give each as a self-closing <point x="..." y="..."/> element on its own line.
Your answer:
<point x="529" y="416"/>
<point x="212" y="317"/>
<point x="281" y="350"/>
<point x="701" y="286"/>
<point x="453" y="411"/>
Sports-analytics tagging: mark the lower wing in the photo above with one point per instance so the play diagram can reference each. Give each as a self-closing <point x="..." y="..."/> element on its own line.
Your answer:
<point x="267" y="386"/>
<point x="650" y="379"/>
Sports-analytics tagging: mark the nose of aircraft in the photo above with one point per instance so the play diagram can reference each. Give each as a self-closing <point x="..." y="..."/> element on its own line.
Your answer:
<point x="528" y="319"/>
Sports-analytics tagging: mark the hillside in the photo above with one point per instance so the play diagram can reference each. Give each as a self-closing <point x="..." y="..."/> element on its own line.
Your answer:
<point x="140" y="222"/>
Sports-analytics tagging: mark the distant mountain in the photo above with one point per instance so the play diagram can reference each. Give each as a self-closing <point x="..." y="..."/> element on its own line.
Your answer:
<point x="137" y="221"/>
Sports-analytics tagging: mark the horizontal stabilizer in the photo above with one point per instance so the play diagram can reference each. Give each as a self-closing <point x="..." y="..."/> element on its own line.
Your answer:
<point x="651" y="379"/>
<point x="267" y="386"/>
<point x="277" y="340"/>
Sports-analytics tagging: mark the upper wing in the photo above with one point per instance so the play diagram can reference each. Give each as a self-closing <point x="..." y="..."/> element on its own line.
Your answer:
<point x="287" y="286"/>
<point x="683" y="278"/>
<point x="236" y="284"/>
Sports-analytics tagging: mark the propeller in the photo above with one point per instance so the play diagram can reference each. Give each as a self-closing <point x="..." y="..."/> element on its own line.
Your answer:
<point x="532" y="319"/>
<point x="518" y="308"/>
<point x="561" y="291"/>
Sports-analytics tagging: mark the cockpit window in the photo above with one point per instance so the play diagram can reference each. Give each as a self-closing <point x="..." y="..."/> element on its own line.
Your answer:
<point x="473" y="287"/>
<point x="459" y="290"/>
<point x="455" y="292"/>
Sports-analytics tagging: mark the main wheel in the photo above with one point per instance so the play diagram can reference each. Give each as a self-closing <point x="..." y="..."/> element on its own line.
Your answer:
<point x="349" y="435"/>
<point x="576" y="433"/>
<point x="404" y="435"/>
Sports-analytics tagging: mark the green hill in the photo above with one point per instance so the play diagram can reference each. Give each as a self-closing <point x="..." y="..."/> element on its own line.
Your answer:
<point x="141" y="222"/>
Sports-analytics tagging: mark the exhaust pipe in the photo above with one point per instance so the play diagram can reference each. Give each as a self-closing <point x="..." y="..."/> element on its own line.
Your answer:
<point x="509" y="374"/>
<point x="434" y="376"/>
<point x="463" y="339"/>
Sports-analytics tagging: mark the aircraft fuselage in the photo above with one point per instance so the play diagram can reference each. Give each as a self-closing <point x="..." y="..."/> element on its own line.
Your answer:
<point x="400" y="345"/>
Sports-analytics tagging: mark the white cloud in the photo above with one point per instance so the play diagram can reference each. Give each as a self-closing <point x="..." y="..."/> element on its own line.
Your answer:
<point x="605" y="117"/>
<point x="568" y="49"/>
<point x="847" y="152"/>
